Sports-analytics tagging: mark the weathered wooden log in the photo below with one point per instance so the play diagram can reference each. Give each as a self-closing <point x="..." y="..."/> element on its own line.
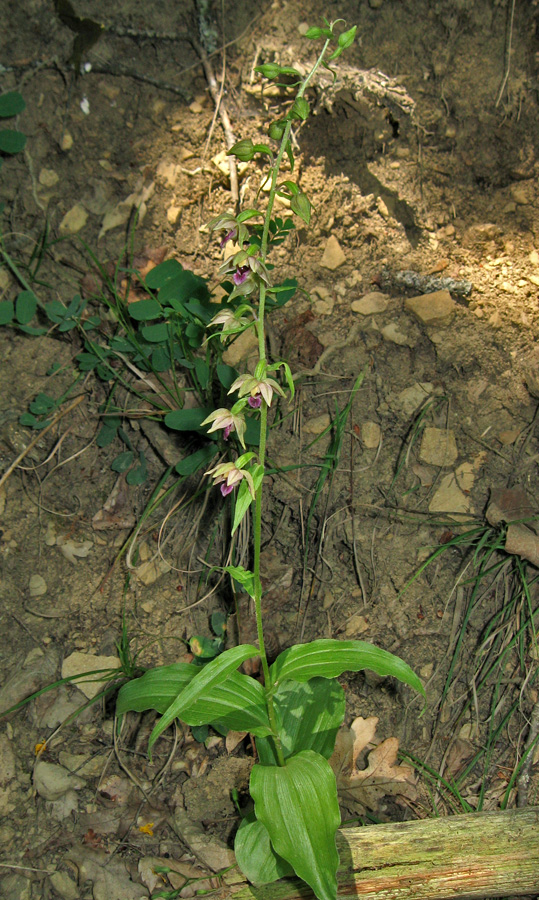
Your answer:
<point x="482" y="855"/>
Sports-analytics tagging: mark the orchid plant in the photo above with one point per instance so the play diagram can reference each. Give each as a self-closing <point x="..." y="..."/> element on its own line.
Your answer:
<point x="295" y="711"/>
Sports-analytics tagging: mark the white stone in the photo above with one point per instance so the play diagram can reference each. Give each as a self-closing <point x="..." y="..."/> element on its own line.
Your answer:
<point x="373" y="302"/>
<point x="80" y="663"/>
<point x="37" y="586"/>
<point x="74" y="220"/>
<point x="370" y="434"/>
<point x="411" y="398"/>
<point x="52" y="781"/>
<point x="392" y="334"/>
<point x="333" y="255"/>
<point x="449" y="498"/>
<point x="48" y="178"/>
<point x="317" y="424"/>
<point x="438" y="447"/>
<point x="432" y="309"/>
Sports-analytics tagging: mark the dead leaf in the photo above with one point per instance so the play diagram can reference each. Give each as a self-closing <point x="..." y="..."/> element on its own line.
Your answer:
<point x="234" y="738"/>
<point x="118" y="216"/>
<point x="364" y="788"/>
<point x="117" y="511"/>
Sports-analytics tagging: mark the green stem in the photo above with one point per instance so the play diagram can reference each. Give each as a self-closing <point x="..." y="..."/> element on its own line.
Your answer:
<point x="264" y="423"/>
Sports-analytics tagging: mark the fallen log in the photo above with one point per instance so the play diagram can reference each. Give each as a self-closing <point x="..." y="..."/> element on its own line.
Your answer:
<point x="482" y="855"/>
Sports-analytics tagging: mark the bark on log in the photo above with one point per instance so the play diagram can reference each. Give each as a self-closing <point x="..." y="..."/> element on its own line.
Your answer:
<point x="482" y="855"/>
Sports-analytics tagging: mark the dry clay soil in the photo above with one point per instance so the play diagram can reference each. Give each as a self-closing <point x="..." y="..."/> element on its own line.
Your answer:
<point x="434" y="174"/>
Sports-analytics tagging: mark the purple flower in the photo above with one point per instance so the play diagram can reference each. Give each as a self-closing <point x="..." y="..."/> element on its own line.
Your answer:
<point x="255" y="402"/>
<point x="241" y="274"/>
<point x="229" y="236"/>
<point x="227" y="488"/>
<point x="226" y="431"/>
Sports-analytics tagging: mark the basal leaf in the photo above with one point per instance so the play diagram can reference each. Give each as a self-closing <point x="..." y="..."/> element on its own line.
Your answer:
<point x="254" y="854"/>
<point x="200" y="687"/>
<point x="308" y="718"/>
<point x="156" y="689"/>
<point x="329" y="659"/>
<point x="297" y="804"/>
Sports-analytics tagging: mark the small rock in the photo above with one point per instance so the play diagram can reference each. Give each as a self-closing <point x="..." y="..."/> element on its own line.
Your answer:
<point x="438" y="447"/>
<point x="373" y="302"/>
<point x="333" y="255"/>
<point x="67" y="142"/>
<point x="173" y="214"/>
<point x="449" y="498"/>
<point x="519" y="195"/>
<point x="196" y="107"/>
<point x="37" y="586"/>
<point x="465" y="475"/>
<point x="323" y="307"/>
<point x="81" y="663"/>
<point x="534" y="258"/>
<point x="356" y="625"/>
<point x="411" y="398"/>
<point x="37" y="670"/>
<point x="64" y="886"/>
<point x="432" y="309"/>
<point x="149" y="572"/>
<point x="243" y="349"/>
<point x="168" y="171"/>
<point x="370" y="435"/>
<point x="74" y="220"/>
<point x="52" y="781"/>
<point x="48" y="178"/>
<point x="7" y="761"/>
<point x="534" y="279"/>
<point x="392" y="334"/>
<point x="317" y="424"/>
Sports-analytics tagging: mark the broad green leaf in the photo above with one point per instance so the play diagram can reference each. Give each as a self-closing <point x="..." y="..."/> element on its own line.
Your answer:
<point x="11" y="104"/>
<point x="308" y="718"/>
<point x="187" y="419"/>
<point x="202" y="370"/>
<point x="123" y="461"/>
<point x="301" y="205"/>
<point x="138" y="474"/>
<point x="313" y="33"/>
<point x="7" y="311"/>
<point x="200" y="688"/>
<point x="226" y="375"/>
<point x="219" y="621"/>
<point x="42" y="404"/>
<point x="254" y="854"/>
<point x="144" y="310"/>
<point x="329" y="659"/>
<point x="183" y="287"/>
<point x="243" y="577"/>
<point x="156" y="333"/>
<point x="203" y="647"/>
<point x="248" y="214"/>
<point x="106" y="435"/>
<point x="160" y="274"/>
<point x="25" y="307"/>
<point x="156" y="689"/>
<point x="297" y="803"/>
<point x="237" y="703"/>
<point x="197" y="460"/>
<point x="11" y="141"/>
<point x="252" y="432"/>
<point x="272" y="70"/>
<point x="32" y="329"/>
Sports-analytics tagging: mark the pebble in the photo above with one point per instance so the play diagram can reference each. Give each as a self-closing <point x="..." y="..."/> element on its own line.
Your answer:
<point x="370" y="435"/>
<point x="392" y="334"/>
<point x="37" y="586"/>
<point x="356" y="625"/>
<point x="333" y="255"/>
<point x="64" y="886"/>
<point x="411" y="398"/>
<point x="7" y="761"/>
<point x="67" y="142"/>
<point x="317" y="424"/>
<point x="48" y="178"/>
<point x="74" y="220"/>
<point x="52" y="781"/>
<point x="534" y="258"/>
<point x="438" y="447"/>
<point x="436" y="308"/>
<point x="373" y="302"/>
<point x="79" y="663"/>
<point x="518" y="193"/>
<point x="449" y="497"/>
